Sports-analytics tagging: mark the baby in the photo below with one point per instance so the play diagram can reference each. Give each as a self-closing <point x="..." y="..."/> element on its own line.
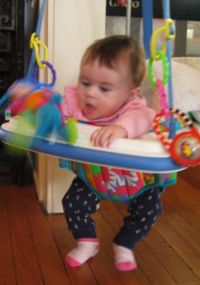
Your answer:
<point x="108" y="95"/>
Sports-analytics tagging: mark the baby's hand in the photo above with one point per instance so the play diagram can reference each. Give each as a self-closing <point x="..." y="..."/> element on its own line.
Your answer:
<point x="105" y="136"/>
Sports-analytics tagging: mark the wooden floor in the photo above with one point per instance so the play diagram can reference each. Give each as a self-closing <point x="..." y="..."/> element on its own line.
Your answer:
<point x="33" y="244"/>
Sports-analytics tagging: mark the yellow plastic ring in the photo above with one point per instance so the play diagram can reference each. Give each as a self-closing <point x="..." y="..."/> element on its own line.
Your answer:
<point x="153" y="43"/>
<point x="34" y="44"/>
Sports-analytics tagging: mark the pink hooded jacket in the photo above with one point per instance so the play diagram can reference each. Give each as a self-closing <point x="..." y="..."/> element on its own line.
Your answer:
<point x="135" y="116"/>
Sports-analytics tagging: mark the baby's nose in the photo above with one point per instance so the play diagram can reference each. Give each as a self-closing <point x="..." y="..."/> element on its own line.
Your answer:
<point x="92" y="91"/>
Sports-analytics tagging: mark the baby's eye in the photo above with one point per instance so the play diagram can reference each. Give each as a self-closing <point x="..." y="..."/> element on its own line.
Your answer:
<point x="104" y="89"/>
<point x="85" y="83"/>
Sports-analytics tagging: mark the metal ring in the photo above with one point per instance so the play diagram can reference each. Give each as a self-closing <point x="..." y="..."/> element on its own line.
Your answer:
<point x="136" y="4"/>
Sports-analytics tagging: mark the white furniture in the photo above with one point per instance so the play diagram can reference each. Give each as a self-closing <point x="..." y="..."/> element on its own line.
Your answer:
<point x="68" y="28"/>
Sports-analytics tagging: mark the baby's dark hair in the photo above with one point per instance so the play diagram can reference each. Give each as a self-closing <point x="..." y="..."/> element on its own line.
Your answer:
<point x="108" y="51"/>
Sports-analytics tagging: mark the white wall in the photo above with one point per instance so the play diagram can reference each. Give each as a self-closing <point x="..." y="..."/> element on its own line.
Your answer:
<point x="69" y="27"/>
<point x="72" y="26"/>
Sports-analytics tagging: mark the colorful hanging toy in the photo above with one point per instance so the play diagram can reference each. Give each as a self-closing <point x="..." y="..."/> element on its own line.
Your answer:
<point x="183" y="147"/>
<point x="38" y="104"/>
<point x="39" y="108"/>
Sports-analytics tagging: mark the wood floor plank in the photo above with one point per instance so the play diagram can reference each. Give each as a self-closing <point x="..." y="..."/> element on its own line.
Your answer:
<point x="45" y="246"/>
<point x="191" y="195"/>
<point x="192" y="176"/>
<point x="156" y="272"/>
<point x="7" y="270"/>
<point x="25" y="258"/>
<point x="184" y="248"/>
<point x="182" y="227"/>
<point x="112" y="215"/>
<point x="174" y="198"/>
<point x="186" y="193"/>
<point x="172" y="261"/>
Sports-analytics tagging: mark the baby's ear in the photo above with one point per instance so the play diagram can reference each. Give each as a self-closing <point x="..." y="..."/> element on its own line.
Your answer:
<point x="135" y="91"/>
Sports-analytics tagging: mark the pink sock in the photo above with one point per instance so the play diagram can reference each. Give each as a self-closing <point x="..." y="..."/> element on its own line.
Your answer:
<point x="124" y="258"/>
<point x="85" y="249"/>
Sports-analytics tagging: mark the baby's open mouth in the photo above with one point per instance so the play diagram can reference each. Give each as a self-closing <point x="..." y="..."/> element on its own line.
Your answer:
<point x="89" y="108"/>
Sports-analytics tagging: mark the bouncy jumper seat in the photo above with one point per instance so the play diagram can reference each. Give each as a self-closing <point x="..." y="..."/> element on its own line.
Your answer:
<point x="118" y="174"/>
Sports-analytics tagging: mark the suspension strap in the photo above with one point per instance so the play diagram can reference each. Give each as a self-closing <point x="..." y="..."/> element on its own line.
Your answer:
<point x="147" y="13"/>
<point x="37" y="34"/>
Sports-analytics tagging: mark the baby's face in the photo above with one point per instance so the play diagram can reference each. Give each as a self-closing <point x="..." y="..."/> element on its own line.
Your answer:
<point x="103" y="91"/>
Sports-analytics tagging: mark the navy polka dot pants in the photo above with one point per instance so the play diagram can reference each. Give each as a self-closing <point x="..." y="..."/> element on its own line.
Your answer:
<point x="79" y="203"/>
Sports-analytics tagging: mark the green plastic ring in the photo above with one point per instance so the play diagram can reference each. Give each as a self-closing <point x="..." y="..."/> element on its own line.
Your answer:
<point x="162" y="56"/>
